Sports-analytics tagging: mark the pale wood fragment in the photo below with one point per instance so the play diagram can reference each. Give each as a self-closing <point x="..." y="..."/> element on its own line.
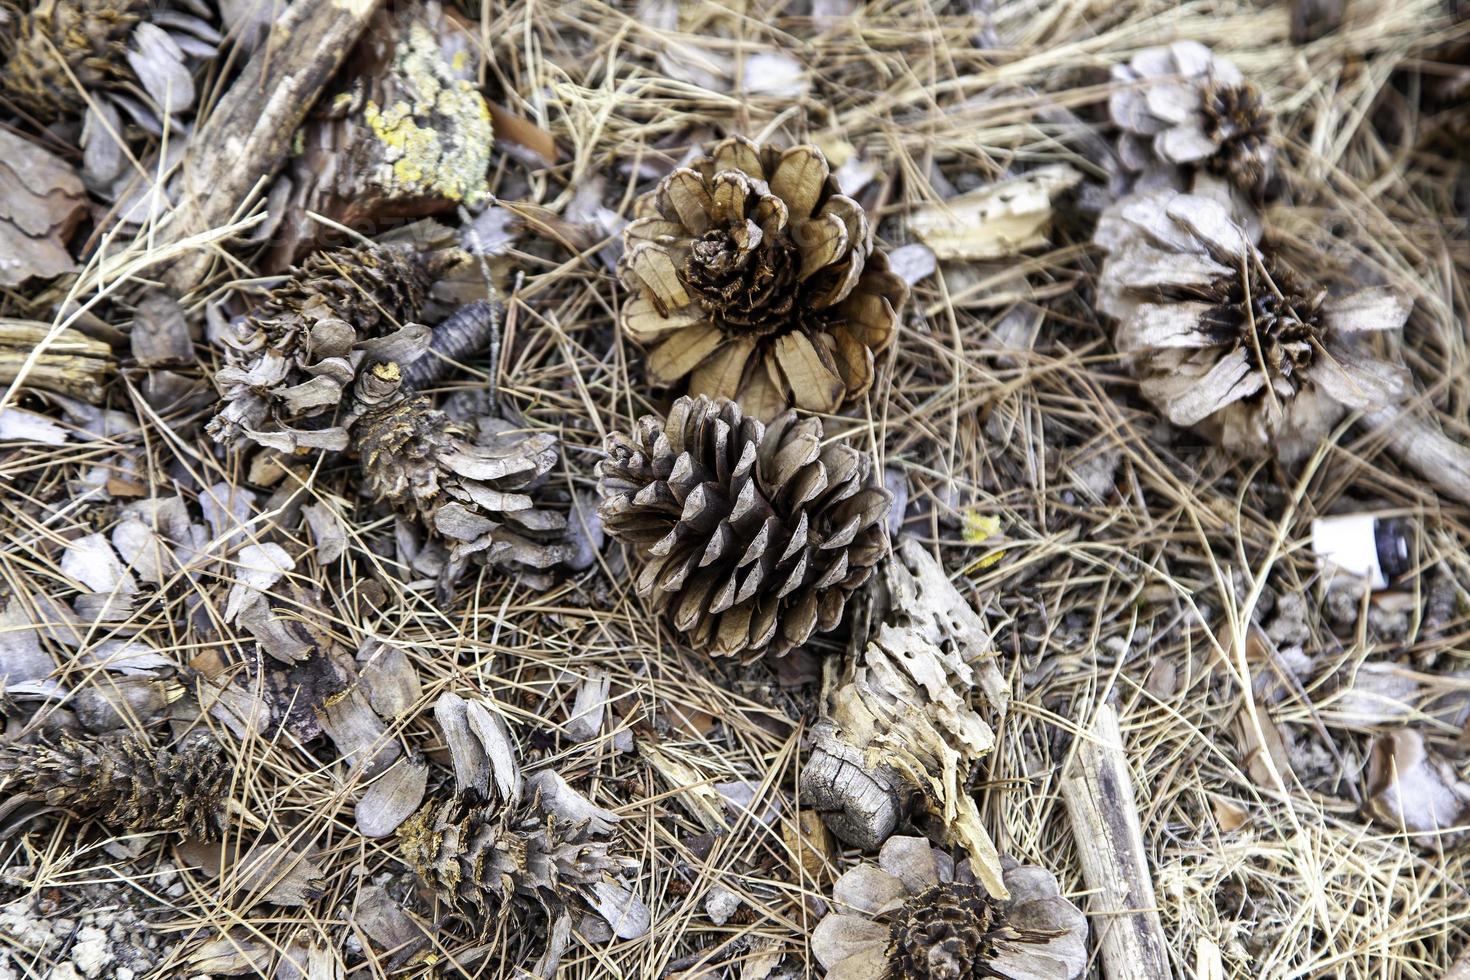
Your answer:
<point x="1098" y="792"/>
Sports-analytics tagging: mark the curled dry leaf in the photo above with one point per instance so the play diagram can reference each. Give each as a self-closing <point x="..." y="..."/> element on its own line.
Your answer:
<point x="997" y="221"/>
<point x="1416" y="791"/>
<point x="912" y="714"/>
<point x="41" y="202"/>
<point x="392" y="798"/>
<point x="920" y="915"/>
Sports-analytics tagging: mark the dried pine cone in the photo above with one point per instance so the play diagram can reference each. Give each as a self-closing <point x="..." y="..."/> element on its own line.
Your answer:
<point x="918" y="915"/>
<point x="126" y="782"/>
<point x="114" y="49"/>
<point x="1181" y="105"/>
<point x="756" y="278"/>
<point x="290" y="364"/>
<point x="1224" y="337"/>
<point x="752" y="536"/>
<point x="473" y="488"/>
<point x="481" y="860"/>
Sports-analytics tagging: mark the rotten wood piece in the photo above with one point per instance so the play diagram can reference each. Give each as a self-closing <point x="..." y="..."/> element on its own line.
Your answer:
<point x="1098" y="792"/>
<point x="248" y="135"/>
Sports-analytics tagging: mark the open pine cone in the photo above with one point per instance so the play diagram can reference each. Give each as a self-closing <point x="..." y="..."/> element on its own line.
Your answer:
<point x="918" y="915"/>
<point x="755" y="277"/>
<point x="1224" y="337"/>
<point x="472" y="486"/>
<point x="125" y="781"/>
<point x="290" y="364"/>
<point x="752" y="536"/>
<point x="1181" y="105"/>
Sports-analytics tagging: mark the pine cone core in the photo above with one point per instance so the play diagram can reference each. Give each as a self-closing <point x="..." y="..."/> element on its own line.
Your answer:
<point x="941" y="933"/>
<point x="1236" y="117"/>
<point x="1268" y="312"/>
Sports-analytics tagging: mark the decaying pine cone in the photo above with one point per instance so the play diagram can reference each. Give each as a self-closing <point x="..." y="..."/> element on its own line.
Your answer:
<point x="751" y="536"/>
<point x="472" y="488"/>
<point x="493" y="862"/>
<point x="911" y="715"/>
<point x="406" y="134"/>
<point x="125" y="781"/>
<point x="290" y="364"/>
<point x="755" y="277"/>
<point x="1181" y="105"/>
<point x="1224" y="337"/>
<point x="917" y="915"/>
<point x="115" y="49"/>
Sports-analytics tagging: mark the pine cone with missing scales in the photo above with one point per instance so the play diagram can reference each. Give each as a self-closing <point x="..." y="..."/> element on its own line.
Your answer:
<point x="1183" y="106"/>
<point x="1225" y="337"/>
<point x="471" y="486"/>
<point x="755" y="277"/>
<point x="126" y="781"/>
<point x="291" y="363"/>
<point x="116" y="50"/>
<point x="751" y="536"/>
<point x="483" y="860"/>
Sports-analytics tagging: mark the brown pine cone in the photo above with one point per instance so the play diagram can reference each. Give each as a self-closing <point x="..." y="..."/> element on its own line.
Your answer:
<point x="290" y="364"/>
<point x="125" y="781"/>
<point x="91" y="38"/>
<point x="755" y="277"/>
<point x="752" y="536"/>
<point x="472" y="488"/>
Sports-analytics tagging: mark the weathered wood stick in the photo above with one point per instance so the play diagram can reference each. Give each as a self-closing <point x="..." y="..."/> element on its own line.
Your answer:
<point x="249" y="133"/>
<point x="1098" y="792"/>
<point x="1421" y="445"/>
<point x="71" y="364"/>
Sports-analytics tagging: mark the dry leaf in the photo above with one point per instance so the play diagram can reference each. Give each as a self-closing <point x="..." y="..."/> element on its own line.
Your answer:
<point x="585" y="722"/>
<point x="1416" y="791"/>
<point x="996" y="221"/>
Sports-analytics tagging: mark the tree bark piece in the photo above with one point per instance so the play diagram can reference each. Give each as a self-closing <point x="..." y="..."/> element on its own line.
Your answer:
<point x="71" y="364"/>
<point x="1098" y="791"/>
<point x="248" y="135"/>
<point x="1420" y="445"/>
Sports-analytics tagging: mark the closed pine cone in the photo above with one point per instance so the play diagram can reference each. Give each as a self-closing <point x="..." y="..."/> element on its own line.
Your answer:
<point x="471" y="487"/>
<point x="290" y="364"/>
<point x="752" y="536"/>
<point x="125" y="781"/>
<point x="755" y="277"/>
<point x="482" y="860"/>
<point x="1223" y="336"/>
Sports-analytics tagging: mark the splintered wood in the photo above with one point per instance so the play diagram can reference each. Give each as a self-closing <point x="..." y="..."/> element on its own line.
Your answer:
<point x="1098" y="792"/>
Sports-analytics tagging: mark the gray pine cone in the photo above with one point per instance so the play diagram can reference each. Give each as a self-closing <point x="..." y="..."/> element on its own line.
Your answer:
<point x="290" y="364"/>
<point x="1183" y="106"/>
<point x="126" y="781"/>
<point x="1223" y="336"/>
<point x="752" y="536"/>
<point x="471" y="486"/>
